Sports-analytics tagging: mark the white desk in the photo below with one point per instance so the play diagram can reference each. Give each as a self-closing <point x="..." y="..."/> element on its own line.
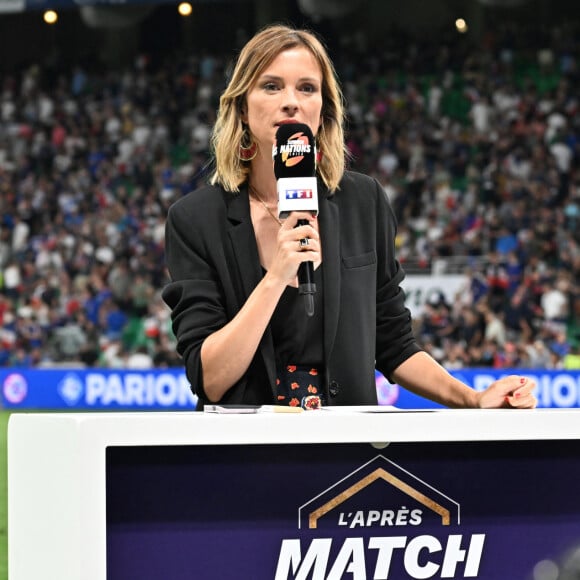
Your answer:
<point x="56" y="463"/>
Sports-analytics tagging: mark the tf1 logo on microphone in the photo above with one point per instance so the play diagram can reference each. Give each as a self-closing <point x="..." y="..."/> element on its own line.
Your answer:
<point x="299" y="194"/>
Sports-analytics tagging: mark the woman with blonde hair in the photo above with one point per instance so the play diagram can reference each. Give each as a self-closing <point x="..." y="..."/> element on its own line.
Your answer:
<point x="240" y="323"/>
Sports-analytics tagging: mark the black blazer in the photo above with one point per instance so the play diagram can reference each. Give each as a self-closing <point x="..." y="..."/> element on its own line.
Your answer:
<point x="213" y="262"/>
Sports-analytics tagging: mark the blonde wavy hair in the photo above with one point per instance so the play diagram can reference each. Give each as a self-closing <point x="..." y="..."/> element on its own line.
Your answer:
<point x="230" y="171"/>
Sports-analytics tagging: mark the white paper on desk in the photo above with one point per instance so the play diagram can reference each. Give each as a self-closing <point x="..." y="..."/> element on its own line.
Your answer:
<point x="250" y="409"/>
<point x="373" y="409"/>
<point x="231" y="409"/>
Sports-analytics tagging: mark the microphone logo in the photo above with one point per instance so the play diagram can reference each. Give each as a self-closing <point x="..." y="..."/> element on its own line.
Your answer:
<point x="292" y="152"/>
<point x="299" y="194"/>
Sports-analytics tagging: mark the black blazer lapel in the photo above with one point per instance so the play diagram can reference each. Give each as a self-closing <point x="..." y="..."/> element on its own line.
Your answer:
<point x="245" y="251"/>
<point x="243" y="242"/>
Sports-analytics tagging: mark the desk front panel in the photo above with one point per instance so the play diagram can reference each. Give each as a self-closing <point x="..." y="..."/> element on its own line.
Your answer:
<point x="487" y="510"/>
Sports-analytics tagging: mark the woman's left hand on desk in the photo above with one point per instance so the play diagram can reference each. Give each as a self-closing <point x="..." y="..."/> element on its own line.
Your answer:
<point x="514" y="391"/>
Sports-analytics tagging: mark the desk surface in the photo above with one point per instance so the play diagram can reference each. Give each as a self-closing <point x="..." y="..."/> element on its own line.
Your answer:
<point x="340" y="425"/>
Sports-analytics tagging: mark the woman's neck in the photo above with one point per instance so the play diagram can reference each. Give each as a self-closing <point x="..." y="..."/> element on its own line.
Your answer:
<point x="263" y="180"/>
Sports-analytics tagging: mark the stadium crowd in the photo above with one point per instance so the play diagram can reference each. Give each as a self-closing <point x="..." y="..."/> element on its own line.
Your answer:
<point x="477" y="148"/>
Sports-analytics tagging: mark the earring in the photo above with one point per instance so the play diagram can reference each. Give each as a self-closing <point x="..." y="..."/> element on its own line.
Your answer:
<point x="317" y="151"/>
<point x="248" y="148"/>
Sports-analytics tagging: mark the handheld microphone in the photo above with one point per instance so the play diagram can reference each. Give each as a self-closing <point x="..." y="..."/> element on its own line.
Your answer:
<point x="295" y="170"/>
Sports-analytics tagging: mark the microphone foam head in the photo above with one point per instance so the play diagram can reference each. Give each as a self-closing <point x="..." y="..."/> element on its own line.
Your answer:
<point x="294" y="151"/>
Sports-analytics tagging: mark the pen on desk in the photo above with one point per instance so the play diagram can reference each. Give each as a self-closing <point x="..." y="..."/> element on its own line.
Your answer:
<point x="279" y="409"/>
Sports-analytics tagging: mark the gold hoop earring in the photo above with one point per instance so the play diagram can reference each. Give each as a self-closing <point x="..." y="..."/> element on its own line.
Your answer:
<point x="248" y="147"/>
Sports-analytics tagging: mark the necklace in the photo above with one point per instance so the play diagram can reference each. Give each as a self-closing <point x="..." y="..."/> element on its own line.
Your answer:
<point x="257" y="196"/>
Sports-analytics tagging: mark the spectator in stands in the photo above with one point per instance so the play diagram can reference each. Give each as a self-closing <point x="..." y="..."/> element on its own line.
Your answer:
<point x="555" y="302"/>
<point x="538" y="355"/>
<point x="470" y="328"/>
<point x="497" y="281"/>
<point x="69" y="340"/>
<point x="495" y="329"/>
<point x="518" y="315"/>
<point x="140" y="359"/>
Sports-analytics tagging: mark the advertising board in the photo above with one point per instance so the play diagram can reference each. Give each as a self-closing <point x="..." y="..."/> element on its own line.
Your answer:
<point x="169" y="389"/>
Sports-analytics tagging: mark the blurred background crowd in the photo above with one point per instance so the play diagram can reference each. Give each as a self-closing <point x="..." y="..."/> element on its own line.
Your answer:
<point x="477" y="148"/>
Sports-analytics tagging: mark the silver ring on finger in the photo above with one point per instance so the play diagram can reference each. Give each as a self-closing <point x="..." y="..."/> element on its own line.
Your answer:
<point x="303" y="243"/>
